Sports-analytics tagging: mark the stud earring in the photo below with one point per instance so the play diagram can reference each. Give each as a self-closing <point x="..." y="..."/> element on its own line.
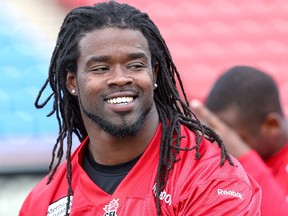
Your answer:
<point x="73" y="91"/>
<point x="155" y="85"/>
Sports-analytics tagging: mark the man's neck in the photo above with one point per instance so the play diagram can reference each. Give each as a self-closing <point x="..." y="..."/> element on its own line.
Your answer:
<point x="110" y="150"/>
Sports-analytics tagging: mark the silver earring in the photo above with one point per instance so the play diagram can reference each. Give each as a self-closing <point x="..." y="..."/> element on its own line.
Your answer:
<point x="155" y="85"/>
<point x="73" y="91"/>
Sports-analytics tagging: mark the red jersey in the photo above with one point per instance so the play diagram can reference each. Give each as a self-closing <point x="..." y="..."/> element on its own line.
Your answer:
<point x="194" y="187"/>
<point x="279" y="165"/>
<point x="272" y="176"/>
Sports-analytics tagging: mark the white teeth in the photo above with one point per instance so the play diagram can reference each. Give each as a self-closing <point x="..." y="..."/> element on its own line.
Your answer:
<point x="120" y="100"/>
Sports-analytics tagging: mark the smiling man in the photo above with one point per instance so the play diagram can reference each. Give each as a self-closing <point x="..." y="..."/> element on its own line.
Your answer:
<point x="142" y="150"/>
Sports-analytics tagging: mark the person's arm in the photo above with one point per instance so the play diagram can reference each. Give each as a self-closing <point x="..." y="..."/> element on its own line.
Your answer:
<point x="273" y="197"/>
<point x="234" y="144"/>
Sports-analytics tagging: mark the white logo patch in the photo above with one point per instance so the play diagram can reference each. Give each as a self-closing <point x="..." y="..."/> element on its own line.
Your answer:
<point x="233" y="193"/>
<point x="58" y="208"/>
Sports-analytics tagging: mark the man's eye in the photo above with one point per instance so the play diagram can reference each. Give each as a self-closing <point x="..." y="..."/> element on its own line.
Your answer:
<point x="136" y="66"/>
<point x="99" y="69"/>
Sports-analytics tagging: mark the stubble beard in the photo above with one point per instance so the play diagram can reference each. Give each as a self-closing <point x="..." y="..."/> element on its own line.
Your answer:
<point x="121" y="130"/>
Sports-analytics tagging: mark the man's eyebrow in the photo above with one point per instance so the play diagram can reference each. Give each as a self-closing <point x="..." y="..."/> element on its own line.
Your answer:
<point x="102" y="58"/>
<point x="138" y="55"/>
<point x="105" y="58"/>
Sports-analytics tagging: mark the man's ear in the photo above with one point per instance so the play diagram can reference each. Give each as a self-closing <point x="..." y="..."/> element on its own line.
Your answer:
<point x="271" y="126"/>
<point x="155" y="72"/>
<point x="71" y="83"/>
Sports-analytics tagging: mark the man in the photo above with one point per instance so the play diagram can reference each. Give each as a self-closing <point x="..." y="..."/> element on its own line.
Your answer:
<point x="247" y="113"/>
<point x="142" y="152"/>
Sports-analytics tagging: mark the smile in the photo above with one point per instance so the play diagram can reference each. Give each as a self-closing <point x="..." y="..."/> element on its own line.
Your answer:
<point x="120" y="100"/>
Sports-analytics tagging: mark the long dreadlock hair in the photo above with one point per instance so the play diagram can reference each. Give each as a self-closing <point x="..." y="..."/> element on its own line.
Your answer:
<point x="173" y="111"/>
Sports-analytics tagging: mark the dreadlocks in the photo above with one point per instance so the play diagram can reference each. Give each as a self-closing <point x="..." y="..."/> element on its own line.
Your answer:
<point x="173" y="111"/>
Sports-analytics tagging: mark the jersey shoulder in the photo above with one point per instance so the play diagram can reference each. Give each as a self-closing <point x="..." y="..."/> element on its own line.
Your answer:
<point x="50" y="191"/>
<point x="210" y="158"/>
<point x="205" y="182"/>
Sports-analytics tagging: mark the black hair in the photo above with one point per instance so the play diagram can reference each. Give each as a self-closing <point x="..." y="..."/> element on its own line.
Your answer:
<point x="173" y="111"/>
<point x="251" y="91"/>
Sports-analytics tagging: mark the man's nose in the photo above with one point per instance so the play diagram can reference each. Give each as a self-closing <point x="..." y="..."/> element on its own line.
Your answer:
<point x="120" y="76"/>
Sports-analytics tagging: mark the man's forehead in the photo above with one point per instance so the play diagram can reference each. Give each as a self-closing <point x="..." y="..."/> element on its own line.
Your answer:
<point x="103" y="38"/>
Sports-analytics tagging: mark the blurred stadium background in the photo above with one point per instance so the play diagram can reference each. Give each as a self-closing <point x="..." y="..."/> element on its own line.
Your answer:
<point x="204" y="36"/>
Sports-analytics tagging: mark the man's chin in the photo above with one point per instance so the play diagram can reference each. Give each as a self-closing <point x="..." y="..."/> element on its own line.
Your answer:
<point x="122" y="131"/>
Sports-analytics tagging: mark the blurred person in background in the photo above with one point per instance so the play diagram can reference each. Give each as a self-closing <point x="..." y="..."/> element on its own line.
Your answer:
<point x="143" y="152"/>
<point x="244" y="107"/>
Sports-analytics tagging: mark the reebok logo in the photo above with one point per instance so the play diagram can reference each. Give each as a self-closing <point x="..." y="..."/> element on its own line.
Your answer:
<point x="233" y="193"/>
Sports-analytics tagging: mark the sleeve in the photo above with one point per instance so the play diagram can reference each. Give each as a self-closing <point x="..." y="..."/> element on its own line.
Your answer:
<point x="31" y="205"/>
<point x="222" y="197"/>
<point x="273" y="197"/>
<point x="25" y="208"/>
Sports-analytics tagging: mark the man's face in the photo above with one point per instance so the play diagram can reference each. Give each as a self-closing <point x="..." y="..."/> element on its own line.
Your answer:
<point x="115" y="80"/>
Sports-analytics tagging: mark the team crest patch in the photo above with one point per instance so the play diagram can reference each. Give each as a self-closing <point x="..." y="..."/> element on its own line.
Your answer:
<point x="111" y="208"/>
<point x="59" y="207"/>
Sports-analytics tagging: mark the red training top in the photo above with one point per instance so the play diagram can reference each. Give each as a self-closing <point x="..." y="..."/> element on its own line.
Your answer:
<point x="195" y="187"/>
<point x="272" y="175"/>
